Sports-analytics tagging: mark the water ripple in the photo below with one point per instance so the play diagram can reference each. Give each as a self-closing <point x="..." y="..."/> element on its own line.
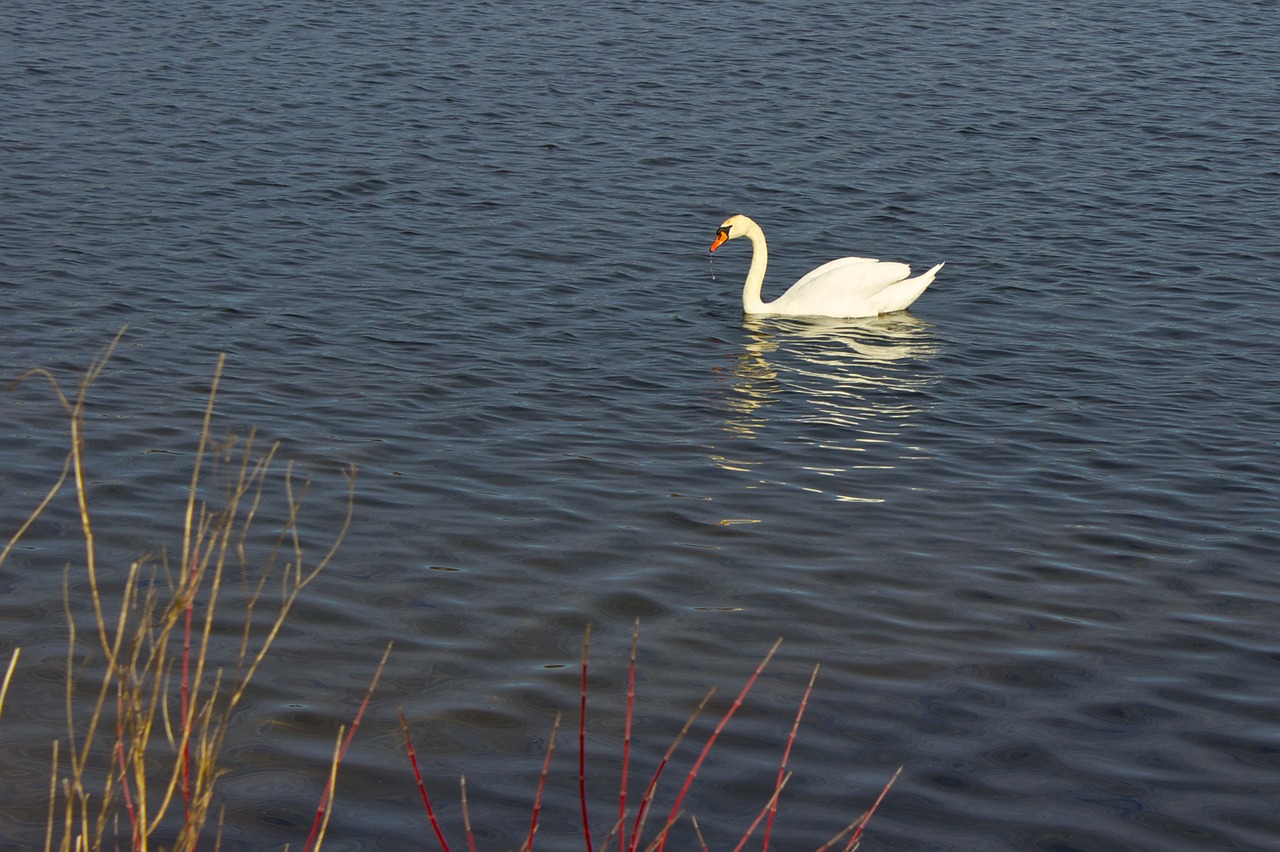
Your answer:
<point x="1028" y="528"/>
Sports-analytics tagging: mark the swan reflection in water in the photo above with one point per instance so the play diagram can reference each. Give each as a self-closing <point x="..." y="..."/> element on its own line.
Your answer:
<point x="840" y="391"/>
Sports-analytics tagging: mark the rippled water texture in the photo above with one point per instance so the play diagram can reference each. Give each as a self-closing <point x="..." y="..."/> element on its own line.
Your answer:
<point x="1028" y="528"/>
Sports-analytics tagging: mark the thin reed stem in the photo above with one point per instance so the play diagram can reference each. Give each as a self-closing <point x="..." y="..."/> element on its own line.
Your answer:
<point x="53" y="799"/>
<point x="706" y="749"/>
<point x="769" y="807"/>
<point x="647" y="799"/>
<point x="8" y="675"/>
<point x="185" y="756"/>
<point x="853" y="841"/>
<point x="327" y="797"/>
<point x="613" y="833"/>
<point x="697" y="830"/>
<point x="466" y="815"/>
<point x="190" y="560"/>
<point x="326" y="802"/>
<point x="124" y="771"/>
<point x="582" y="742"/>
<point x="860" y="823"/>
<point x="626" y="737"/>
<point x="40" y="507"/>
<point x="786" y="755"/>
<point x="422" y="788"/>
<point x="542" y="783"/>
<point x="77" y="470"/>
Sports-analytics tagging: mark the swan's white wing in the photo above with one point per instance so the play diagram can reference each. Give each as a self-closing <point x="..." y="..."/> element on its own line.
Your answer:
<point x="848" y="287"/>
<point x="830" y="265"/>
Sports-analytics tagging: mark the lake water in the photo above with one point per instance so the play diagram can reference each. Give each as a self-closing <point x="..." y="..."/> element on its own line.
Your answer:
<point x="1028" y="528"/>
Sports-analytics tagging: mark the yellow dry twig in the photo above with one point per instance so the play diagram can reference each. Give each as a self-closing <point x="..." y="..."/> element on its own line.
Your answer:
<point x="154" y="650"/>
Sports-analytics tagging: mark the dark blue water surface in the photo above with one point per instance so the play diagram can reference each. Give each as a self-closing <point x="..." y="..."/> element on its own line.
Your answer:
<point x="1028" y="528"/>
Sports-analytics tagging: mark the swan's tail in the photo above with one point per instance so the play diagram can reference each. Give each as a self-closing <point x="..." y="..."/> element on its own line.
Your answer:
<point x="927" y="278"/>
<point x="900" y="296"/>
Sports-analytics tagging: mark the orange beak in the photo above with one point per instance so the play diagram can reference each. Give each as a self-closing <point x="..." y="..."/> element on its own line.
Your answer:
<point x="721" y="236"/>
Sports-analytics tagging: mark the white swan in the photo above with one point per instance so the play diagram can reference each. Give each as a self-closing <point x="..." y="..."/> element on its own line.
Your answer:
<point x="848" y="287"/>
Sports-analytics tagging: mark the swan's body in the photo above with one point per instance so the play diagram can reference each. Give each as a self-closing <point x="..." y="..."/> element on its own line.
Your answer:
<point x="848" y="287"/>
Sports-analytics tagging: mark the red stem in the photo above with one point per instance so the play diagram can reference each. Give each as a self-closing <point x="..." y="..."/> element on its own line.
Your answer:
<point x="647" y="799"/>
<point x="346" y="744"/>
<point x="422" y="788"/>
<point x="693" y="773"/>
<point x="853" y="841"/>
<point x="542" y="783"/>
<point x="582" y="744"/>
<point x="124" y="775"/>
<point x="786" y="755"/>
<point x="768" y="808"/>
<point x="626" y="740"/>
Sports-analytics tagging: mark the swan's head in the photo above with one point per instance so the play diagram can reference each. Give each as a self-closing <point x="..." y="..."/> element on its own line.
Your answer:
<point x="731" y="229"/>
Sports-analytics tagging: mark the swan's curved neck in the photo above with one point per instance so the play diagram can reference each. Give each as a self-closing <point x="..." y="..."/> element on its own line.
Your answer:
<point x="751" y="302"/>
